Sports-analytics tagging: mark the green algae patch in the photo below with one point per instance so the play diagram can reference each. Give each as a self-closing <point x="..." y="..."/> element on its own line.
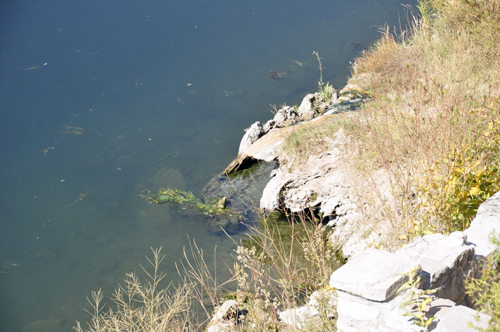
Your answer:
<point x="181" y="197"/>
<point x="215" y="209"/>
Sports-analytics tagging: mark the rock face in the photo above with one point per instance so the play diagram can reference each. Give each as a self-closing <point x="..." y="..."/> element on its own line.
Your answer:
<point x="303" y="188"/>
<point x="252" y="134"/>
<point x="445" y="261"/>
<point x="381" y="278"/>
<point x="312" y="105"/>
<point x="324" y="181"/>
<point x="366" y="298"/>
<point x="328" y="184"/>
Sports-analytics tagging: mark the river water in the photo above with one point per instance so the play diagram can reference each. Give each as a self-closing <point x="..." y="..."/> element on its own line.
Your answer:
<point x="102" y="100"/>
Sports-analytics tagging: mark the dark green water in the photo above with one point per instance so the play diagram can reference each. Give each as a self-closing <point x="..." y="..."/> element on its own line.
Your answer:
<point x="163" y="91"/>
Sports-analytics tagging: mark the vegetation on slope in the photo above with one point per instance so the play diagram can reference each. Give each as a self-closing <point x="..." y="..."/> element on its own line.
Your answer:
<point x="433" y="122"/>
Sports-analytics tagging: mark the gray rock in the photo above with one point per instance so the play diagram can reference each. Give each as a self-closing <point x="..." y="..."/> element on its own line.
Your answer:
<point x="444" y="260"/>
<point x="486" y="224"/>
<point x="306" y="111"/>
<point x="299" y="317"/>
<point x="252" y="134"/>
<point x="479" y="232"/>
<point x="356" y="314"/>
<point x="457" y="318"/>
<point x="491" y="207"/>
<point x="323" y="179"/>
<point x="322" y="300"/>
<point x="285" y="117"/>
<point x="225" y="318"/>
<point x="372" y="274"/>
<point x="271" y="124"/>
<point x="325" y="183"/>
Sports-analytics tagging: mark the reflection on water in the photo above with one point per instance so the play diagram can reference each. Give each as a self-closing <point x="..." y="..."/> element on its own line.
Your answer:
<point x="101" y="101"/>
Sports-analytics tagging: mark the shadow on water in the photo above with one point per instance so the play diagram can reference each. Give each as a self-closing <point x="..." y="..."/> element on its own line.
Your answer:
<point x="100" y="101"/>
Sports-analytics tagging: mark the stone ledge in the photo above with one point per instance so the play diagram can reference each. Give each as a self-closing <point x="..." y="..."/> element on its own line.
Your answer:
<point x="380" y="278"/>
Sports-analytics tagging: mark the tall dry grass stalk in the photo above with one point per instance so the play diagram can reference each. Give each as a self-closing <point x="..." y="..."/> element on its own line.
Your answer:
<point x="273" y="269"/>
<point x="207" y="290"/>
<point x="139" y="306"/>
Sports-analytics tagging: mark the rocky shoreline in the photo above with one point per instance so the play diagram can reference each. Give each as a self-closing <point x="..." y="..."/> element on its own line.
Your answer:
<point x="364" y="291"/>
<point x="326" y="183"/>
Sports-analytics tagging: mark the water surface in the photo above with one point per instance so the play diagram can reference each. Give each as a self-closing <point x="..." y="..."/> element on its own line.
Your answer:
<point x="162" y="91"/>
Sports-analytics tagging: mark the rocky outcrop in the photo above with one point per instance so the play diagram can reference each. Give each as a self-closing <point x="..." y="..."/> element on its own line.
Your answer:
<point x="312" y="106"/>
<point x="326" y="182"/>
<point x="444" y="260"/>
<point x="363" y="293"/>
<point x="366" y="297"/>
<point x="252" y="134"/>
<point x="329" y="184"/>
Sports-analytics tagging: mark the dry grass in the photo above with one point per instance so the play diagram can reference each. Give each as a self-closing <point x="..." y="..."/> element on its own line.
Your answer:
<point x="273" y="268"/>
<point x="435" y="91"/>
<point x="206" y="291"/>
<point x="142" y="307"/>
<point x="435" y="97"/>
<point x="311" y="139"/>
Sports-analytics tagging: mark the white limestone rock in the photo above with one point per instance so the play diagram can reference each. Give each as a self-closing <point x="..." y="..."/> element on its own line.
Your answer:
<point x="372" y="274"/>
<point x="360" y="315"/>
<point x="307" y="315"/>
<point x="225" y="318"/>
<point x="478" y="234"/>
<point x="457" y="318"/>
<point x="491" y="207"/>
<point x="306" y="110"/>
<point x="299" y="317"/>
<point x="444" y="260"/>
<point x="252" y="135"/>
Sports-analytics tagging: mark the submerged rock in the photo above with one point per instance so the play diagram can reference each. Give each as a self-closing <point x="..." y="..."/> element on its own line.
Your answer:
<point x="277" y="75"/>
<point x="212" y="209"/>
<point x="242" y="190"/>
<point x="227" y="201"/>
